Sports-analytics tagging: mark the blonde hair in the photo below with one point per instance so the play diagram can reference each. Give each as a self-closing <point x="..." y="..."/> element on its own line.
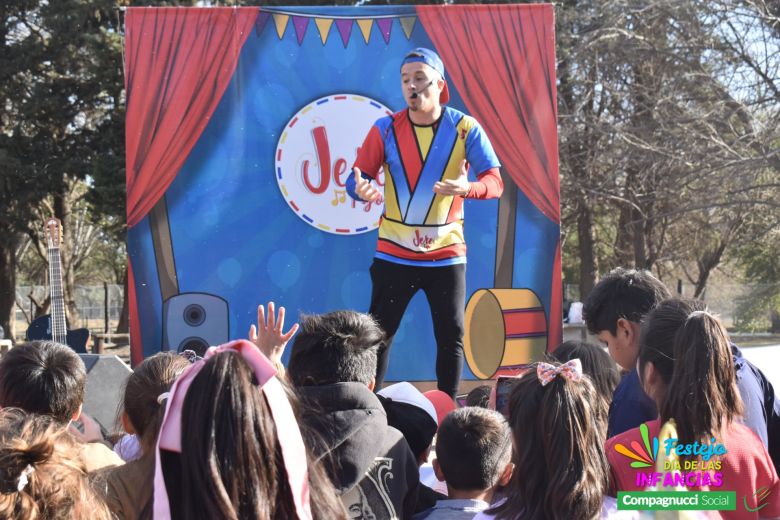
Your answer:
<point x="42" y="474"/>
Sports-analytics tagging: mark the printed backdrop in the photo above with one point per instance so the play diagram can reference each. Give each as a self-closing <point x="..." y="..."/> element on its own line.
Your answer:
<point x="242" y="125"/>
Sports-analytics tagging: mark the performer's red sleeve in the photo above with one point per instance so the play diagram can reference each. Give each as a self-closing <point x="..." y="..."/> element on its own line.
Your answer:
<point x="488" y="186"/>
<point x="371" y="154"/>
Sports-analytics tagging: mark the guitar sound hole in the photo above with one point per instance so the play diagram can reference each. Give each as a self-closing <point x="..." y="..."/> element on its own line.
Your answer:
<point x="194" y="315"/>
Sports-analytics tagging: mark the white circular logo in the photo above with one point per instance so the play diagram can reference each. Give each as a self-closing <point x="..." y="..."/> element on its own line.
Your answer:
<point x="314" y="159"/>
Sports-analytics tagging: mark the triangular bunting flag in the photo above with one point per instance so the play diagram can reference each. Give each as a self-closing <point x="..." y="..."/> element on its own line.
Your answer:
<point x="344" y="27"/>
<point x="281" y="24"/>
<point x="300" y="23"/>
<point x="385" y="24"/>
<point x="323" y="25"/>
<point x="365" y="27"/>
<point x="262" y="19"/>
<point x="407" y="23"/>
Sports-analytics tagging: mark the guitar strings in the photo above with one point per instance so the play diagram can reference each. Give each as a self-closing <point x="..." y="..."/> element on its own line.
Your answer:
<point x="58" y="325"/>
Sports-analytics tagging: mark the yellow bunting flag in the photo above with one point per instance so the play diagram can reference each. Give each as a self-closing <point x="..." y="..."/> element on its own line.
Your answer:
<point x="281" y="24"/>
<point x="365" y="28"/>
<point x="323" y="25"/>
<point x="407" y="23"/>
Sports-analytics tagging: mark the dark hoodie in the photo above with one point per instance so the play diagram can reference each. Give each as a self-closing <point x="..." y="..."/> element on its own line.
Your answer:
<point x="369" y="462"/>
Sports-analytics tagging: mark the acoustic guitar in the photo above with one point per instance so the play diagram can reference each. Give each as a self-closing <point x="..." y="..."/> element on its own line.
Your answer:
<point x="52" y="326"/>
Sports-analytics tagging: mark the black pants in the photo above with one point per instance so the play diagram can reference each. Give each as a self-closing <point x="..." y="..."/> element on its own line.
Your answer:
<point x="445" y="288"/>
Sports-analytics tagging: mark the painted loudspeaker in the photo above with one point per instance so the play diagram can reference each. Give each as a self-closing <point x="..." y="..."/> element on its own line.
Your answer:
<point x="506" y="329"/>
<point x="195" y="321"/>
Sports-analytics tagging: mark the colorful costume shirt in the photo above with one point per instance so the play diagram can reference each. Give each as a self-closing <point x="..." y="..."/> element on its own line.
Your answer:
<point x="420" y="227"/>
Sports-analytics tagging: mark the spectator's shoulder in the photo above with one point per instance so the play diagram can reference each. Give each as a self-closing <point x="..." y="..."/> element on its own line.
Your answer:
<point x="97" y="455"/>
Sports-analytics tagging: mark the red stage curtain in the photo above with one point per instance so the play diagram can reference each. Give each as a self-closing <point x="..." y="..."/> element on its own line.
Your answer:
<point x="491" y="52"/>
<point x="179" y="63"/>
<point x="502" y="57"/>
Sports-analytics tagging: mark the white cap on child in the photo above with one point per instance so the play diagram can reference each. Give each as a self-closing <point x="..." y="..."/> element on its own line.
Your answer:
<point x="405" y="392"/>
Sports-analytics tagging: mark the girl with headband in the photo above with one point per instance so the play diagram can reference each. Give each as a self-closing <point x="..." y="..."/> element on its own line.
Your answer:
<point x="128" y="488"/>
<point x="561" y="471"/>
<point x="243" y="455"/>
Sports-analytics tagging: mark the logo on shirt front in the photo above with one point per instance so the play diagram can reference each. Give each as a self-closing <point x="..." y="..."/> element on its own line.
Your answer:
<point x="314" y="159"/>
<point x="423" y="241"/>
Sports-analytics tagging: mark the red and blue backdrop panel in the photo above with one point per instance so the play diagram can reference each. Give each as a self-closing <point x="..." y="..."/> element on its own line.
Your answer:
<point x="242" y="125"/>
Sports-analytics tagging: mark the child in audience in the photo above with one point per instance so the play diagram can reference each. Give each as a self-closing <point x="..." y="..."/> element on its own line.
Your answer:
<point x="128" y="488"/>
<point x="686" y="366"/>
<point x="49" y="378"/>
<point x="473" y="456"/>
<point x="412" y="414"/>
<point x="561" y="470"/>
<point x="42" y="474"/>
<point x="479" y="396"/>
<point x="613" y="311"/>
<point x="596" y="364"/>
<point x="242" y="455"/>
<point x="333" y="368"/>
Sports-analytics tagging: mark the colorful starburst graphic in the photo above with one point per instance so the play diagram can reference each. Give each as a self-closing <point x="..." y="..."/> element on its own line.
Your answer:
<point x="644" y="456"/>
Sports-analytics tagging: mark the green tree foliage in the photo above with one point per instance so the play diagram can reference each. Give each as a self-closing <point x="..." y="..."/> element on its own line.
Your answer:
<point x="761" y="263"/>
<point x="58" y="72"/>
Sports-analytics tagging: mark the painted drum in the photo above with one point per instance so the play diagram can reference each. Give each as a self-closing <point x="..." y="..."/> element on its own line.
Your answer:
<point x="506" y="329"/>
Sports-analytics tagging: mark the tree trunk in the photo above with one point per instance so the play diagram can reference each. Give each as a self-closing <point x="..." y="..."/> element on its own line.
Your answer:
<point x="124" y="318"/>
<point x="640" y="246"/>
<point x="775" y="319"/>
<point x="7" y="287"/>
<point x="586" y="242"/>
<point x="706" y="263"/>
<point x="623" y="252"/>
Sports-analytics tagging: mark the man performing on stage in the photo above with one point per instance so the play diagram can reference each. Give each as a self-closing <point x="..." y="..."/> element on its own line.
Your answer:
<point x="426" y="151"/>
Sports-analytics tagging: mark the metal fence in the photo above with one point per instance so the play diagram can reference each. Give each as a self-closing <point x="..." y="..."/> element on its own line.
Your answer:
<point x="99" y="306"/>
<point x="739" y="305"/>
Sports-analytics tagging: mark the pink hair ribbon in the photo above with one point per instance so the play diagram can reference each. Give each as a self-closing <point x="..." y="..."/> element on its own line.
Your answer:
<point x="546" y="372"/>
<point x="287" y="431"/>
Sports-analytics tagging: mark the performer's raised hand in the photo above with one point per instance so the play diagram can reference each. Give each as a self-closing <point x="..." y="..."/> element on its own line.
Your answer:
<point x="268" y="335"/>
<point x="456" y="187"/>
<point x="363" y="188"/>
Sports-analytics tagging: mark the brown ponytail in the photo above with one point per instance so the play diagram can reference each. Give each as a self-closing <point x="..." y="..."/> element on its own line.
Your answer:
<point x="231" y="464"/>
<point x="562" y="470"/>
<point x="42" y="474"/>
<point x="702" y="396"/>
<point x="150" y="379"/>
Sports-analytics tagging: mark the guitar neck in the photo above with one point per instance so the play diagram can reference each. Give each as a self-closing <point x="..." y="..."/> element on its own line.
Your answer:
<point x="59" y="330"/>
